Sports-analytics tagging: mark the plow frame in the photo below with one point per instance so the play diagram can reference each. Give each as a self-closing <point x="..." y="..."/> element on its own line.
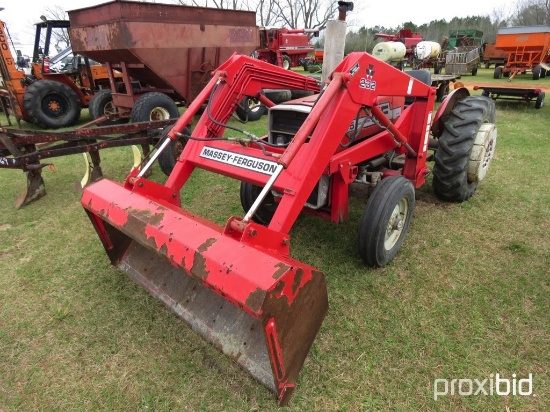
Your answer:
<point x="25" y="149"/>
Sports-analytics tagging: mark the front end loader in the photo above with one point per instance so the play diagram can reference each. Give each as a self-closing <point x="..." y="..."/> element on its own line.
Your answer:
<point x="237" y="285"/>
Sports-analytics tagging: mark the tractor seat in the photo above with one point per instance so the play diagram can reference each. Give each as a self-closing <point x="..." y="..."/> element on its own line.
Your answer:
<point x="421" y="75"/>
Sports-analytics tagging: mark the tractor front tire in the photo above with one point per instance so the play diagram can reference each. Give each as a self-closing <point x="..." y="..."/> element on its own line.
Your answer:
<point x="265" y="212"/>
<point x="154" y="106"/>
<point x="101" y="105"/>
<point x="386" y="220"/>
<point x="466" y="148"/>
<point x="250" y="109"/>
<point x="51" y="105"/>
<point x="171" y="153"/>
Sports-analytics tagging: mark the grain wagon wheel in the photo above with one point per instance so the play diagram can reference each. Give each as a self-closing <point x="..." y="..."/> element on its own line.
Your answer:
<point x="497" y="74"/>
<point x="386" y="220"/>
<point x="154" y="106"/>
<point x="102" y="105"/>
<point x="537" y="72"/>
<point x="466" y="148"/>
<point x="51" y="104"/>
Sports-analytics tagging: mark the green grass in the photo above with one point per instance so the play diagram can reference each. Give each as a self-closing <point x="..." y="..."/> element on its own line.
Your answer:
<point x="466" y="297"/>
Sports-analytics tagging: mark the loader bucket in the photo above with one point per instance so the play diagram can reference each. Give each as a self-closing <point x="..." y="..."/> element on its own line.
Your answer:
<point x="258" y="306"/>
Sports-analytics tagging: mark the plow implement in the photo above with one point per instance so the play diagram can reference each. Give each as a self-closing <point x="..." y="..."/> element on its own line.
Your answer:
<point x="237" y="284"/>
<point x="25" y="149"/>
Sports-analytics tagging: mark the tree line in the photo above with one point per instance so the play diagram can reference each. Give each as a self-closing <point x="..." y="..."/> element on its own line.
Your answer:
<point x="524" y="13"/>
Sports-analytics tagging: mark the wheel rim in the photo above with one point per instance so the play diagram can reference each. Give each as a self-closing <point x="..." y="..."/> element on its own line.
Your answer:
<point x="159" y="113"/>
<point x="253" y="105"/>
<point x="396" y="223"/>
<point x="55" y="106"/>
<point x="109" y="109"/>
<point x="482" y="153"/>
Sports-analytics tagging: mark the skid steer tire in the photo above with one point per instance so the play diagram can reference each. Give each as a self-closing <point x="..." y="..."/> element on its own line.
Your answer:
<point x="250" y="109"/>
<point x="101" y="105"/>
<point x="51" y="105"/>
<point x="265" y="212"/>
<point x="452" y="180"/>
<point x="171" y="153"/>
<point x="154" y="106"/>
<point x="386" y="220"/>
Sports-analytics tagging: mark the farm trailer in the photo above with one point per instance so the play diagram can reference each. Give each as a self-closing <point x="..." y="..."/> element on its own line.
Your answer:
<point x="142" y="40"/>
<point x="492" y="55"/>
<point x="166" y="53"/>
<point x="514" y="93"/>
<point x="464" y="52"/>
<point x="528" y="49"/>
<point x="237" y="284"/>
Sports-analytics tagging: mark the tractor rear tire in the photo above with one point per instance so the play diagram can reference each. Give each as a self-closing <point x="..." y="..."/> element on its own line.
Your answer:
<point x="540" y="100"/>
<point x="471" y="123"/>
<point x="51" y="105"/>
<point x="287" y="63"/>
<point x="251" y="109"/>
<point x="171" y="153"/>
<point x="154" y="106"/>
<point x="265" y="212"/>
<point x="386" y="220"/>
<point x="101" y="105"/>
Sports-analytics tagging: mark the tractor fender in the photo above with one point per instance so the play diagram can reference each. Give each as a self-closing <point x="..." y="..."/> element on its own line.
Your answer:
<point x="445" y="109"/>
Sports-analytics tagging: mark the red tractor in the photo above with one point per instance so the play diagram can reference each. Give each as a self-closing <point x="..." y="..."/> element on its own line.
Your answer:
<point x="285" y="47"/>
<point x="237" y="285"/>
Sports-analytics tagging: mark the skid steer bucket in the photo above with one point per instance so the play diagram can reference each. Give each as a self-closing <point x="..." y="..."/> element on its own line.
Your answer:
<point x="258" y="307"/>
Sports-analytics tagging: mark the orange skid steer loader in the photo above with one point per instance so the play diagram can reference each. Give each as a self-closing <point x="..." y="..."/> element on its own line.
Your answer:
<point x="237" y="285"/>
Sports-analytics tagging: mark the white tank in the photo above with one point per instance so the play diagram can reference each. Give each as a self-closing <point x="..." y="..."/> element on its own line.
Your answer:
<point x="388" y="51"/>
<point x="427" y="50"/>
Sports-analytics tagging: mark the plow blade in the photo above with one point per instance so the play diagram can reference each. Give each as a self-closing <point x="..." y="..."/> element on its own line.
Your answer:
<point x="258" y="306"/>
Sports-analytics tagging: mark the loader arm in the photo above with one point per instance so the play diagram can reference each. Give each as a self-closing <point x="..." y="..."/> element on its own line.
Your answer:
<point x="357" y="83"/>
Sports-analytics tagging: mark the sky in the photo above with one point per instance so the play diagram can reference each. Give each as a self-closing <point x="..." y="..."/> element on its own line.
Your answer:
<point x="20" y="15"/>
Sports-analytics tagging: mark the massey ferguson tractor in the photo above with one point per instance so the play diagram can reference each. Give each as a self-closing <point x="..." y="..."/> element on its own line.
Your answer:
<point x="237" y="285"/>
